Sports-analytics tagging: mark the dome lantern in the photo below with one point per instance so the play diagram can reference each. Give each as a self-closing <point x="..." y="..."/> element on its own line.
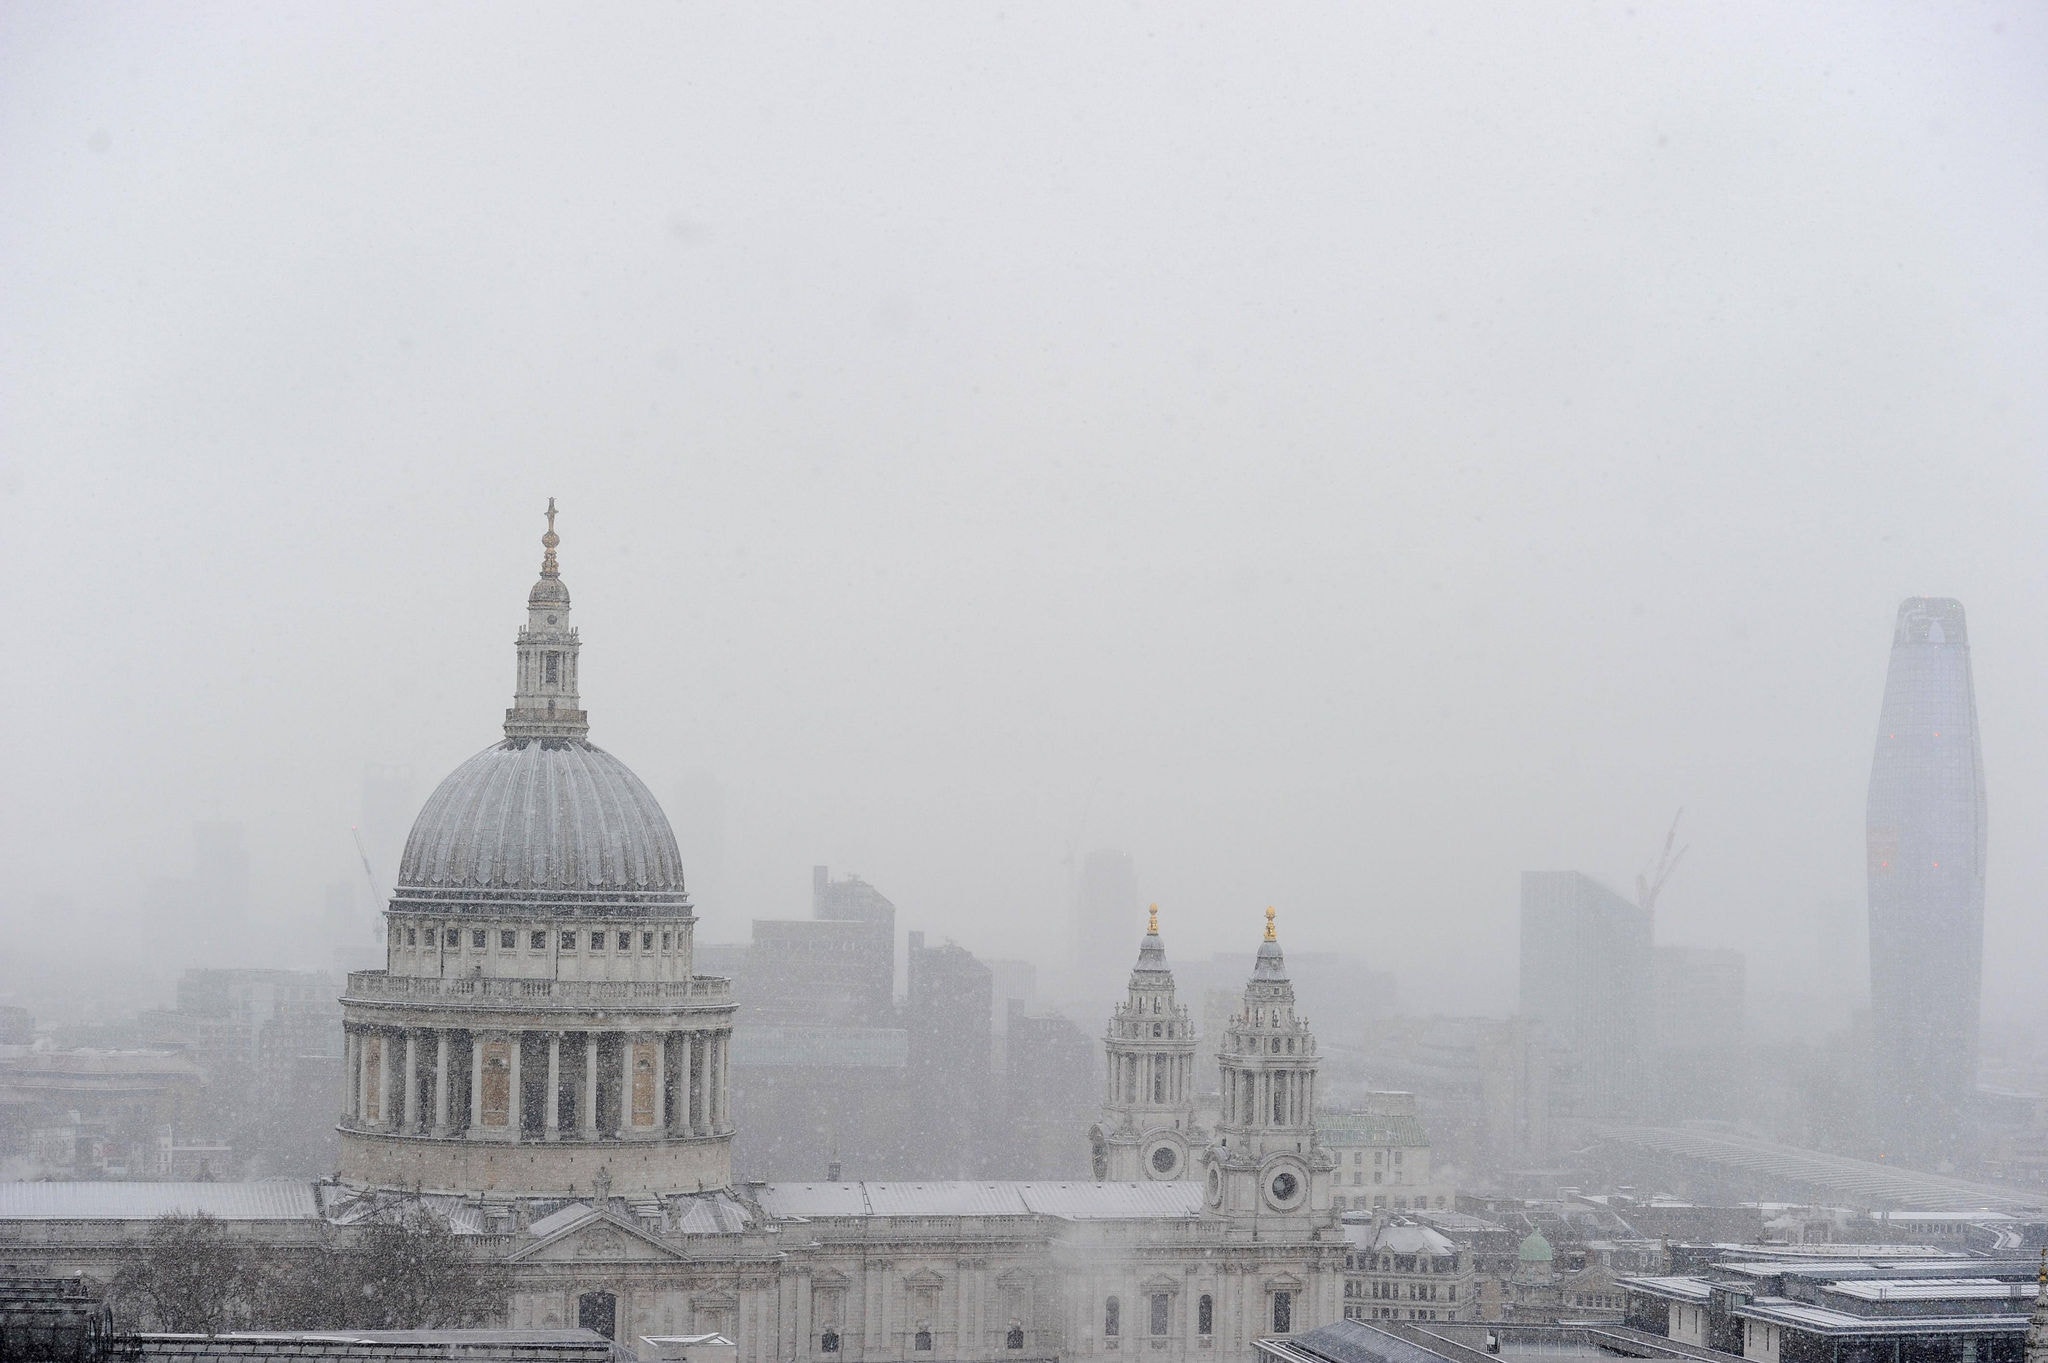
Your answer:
<point x="545" y="704"/>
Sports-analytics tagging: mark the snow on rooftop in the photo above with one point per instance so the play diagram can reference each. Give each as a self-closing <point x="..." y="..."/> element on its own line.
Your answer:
<point x="1066" y="1201"/>
<point x="54" y="1201"/>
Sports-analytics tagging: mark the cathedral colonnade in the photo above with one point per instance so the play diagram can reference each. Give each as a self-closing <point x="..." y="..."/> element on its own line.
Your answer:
<point x="537" y="1083"/>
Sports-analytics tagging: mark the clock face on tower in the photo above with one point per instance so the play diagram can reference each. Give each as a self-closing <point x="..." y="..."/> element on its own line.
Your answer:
<point x="1286" y="1188"/>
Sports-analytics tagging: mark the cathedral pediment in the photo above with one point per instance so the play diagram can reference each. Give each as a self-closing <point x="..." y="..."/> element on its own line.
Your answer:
<point x="598" y="1237"/>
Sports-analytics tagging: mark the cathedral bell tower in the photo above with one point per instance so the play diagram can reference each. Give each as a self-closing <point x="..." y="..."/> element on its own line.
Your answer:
<point x="1266" y="1161"/>
<point x="1148" y="1127"/>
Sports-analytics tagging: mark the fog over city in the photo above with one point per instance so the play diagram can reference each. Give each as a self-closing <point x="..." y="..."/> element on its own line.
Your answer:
<point x="1343" y="457"/>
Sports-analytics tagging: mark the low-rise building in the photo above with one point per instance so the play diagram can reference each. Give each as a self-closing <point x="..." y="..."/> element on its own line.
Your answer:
<point x="1400" y="1270"/>
<point x="1384" y="1160"/>
<point x="1859" y="1311"/>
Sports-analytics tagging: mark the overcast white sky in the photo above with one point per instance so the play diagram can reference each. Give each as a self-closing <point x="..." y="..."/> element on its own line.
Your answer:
<point x="1377" y="449"/>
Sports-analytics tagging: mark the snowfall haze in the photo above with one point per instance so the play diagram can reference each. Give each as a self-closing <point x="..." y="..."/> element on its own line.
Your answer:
<point x="1342" y="456"/>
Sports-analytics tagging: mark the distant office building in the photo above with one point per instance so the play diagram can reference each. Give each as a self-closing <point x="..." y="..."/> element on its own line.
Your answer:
<point x="1106" y="917"/>
<point x="1586" y="970"/>
<point x="819" y="1053"/>
<point x="1926" y="875"/>
<point x="1698" y="998"/>
<point x="1050" y="1089"/>
<point x="950" y="1017"/>
<point x="390" y="799"/>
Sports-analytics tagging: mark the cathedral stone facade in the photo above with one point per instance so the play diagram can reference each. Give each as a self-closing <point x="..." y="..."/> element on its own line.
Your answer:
<point x="540" y="1062"/>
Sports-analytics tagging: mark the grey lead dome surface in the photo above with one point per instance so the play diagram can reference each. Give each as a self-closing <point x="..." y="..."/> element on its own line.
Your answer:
<point x="557" y="817"/>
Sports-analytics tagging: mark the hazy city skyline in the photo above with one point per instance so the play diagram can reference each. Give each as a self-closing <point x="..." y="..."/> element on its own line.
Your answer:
<point x="1342" y="464"/>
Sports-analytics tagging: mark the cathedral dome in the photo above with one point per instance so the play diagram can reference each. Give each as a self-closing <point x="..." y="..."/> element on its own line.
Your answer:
<point x="544" y="818"/>
<point x="553" y="816"/>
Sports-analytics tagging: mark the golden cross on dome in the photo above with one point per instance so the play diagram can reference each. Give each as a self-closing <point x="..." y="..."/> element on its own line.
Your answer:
<point x="1152" y="929"/>
<point x="1271" y="935"/>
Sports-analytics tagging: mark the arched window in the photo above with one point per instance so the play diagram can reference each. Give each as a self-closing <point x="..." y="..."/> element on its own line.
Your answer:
<point x="1205" y="1315"/>
<point x="828" y="1343"/>
<point x="1015" y="1339"/>
<point x="1112" y="1318"/>
<point x="923" y="1342"/>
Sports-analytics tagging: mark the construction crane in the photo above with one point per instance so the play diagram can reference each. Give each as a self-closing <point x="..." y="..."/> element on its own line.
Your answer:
<point x="1650" y="881"/>
<point x="376" y="893"/>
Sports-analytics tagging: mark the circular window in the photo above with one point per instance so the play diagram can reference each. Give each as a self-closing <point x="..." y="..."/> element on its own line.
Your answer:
<point x="1285" y="1186"/>
<point x="1164" y="1159"/>
<point x="551" y="619"/>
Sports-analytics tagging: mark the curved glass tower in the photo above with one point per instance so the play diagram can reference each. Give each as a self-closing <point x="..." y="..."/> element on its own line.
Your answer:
<point x="1925" y="823"/>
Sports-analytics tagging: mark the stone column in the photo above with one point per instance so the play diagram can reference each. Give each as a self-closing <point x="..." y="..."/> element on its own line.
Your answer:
<point x="707" y="1076"/>
<point x="440" y="1082"/>
<point x="476" y="1082"/>
<point x="684" y="1077"/>
<point x="625" y="1084"/>
<point x="661" y="1087"/>
<point x="363" y="1043"/>
<point x="589" y="1113"/>
<point x="386" y="1118"/>
<point x="412" y="1081"/>
<point x="515" y="1118"/>
<point x="551" y="1118"/>
<point x="350" y="1063"/>
<point x="718" y="1083"/>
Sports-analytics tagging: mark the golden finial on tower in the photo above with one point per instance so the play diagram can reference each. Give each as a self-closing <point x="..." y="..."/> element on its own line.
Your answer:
<point x="548" y="566"/>
<point x="1152" y="928"/>
<point x="1271" y="935"/>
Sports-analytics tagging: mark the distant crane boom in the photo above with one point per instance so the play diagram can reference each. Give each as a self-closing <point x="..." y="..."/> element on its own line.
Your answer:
<point x="376" y="892"/>
<point x="1651" y="880"/>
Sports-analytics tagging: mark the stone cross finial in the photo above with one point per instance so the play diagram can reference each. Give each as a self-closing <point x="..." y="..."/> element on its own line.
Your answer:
<point x="548" y="566"/>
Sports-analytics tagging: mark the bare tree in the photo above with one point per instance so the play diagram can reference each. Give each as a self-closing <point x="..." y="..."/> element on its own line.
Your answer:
<point x="190" y="1276"/>
<point x="404" y="1270"/>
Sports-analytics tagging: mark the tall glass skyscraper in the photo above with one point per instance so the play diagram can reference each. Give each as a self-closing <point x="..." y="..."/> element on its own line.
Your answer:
<point x="1925" y="822"/>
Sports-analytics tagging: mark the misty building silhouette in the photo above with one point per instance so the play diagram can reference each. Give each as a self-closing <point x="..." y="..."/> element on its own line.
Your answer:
<point x="950" y="1017"/>
<point x="1586" y="969"/>
<point x="1105" y="915"/>
<point x="1926" y="832"/>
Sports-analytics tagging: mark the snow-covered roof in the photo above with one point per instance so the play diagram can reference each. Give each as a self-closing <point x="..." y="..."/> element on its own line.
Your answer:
<point x="266" y="1201"/>
<point x="561" y="1219"/>
<point x="1822" y="1320"/>
<point x="1400" y="1239"/>
<point x="1933" y="1289"/>
<point x="1682" y="1287"/>
<point x="1065" y="1201"/>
